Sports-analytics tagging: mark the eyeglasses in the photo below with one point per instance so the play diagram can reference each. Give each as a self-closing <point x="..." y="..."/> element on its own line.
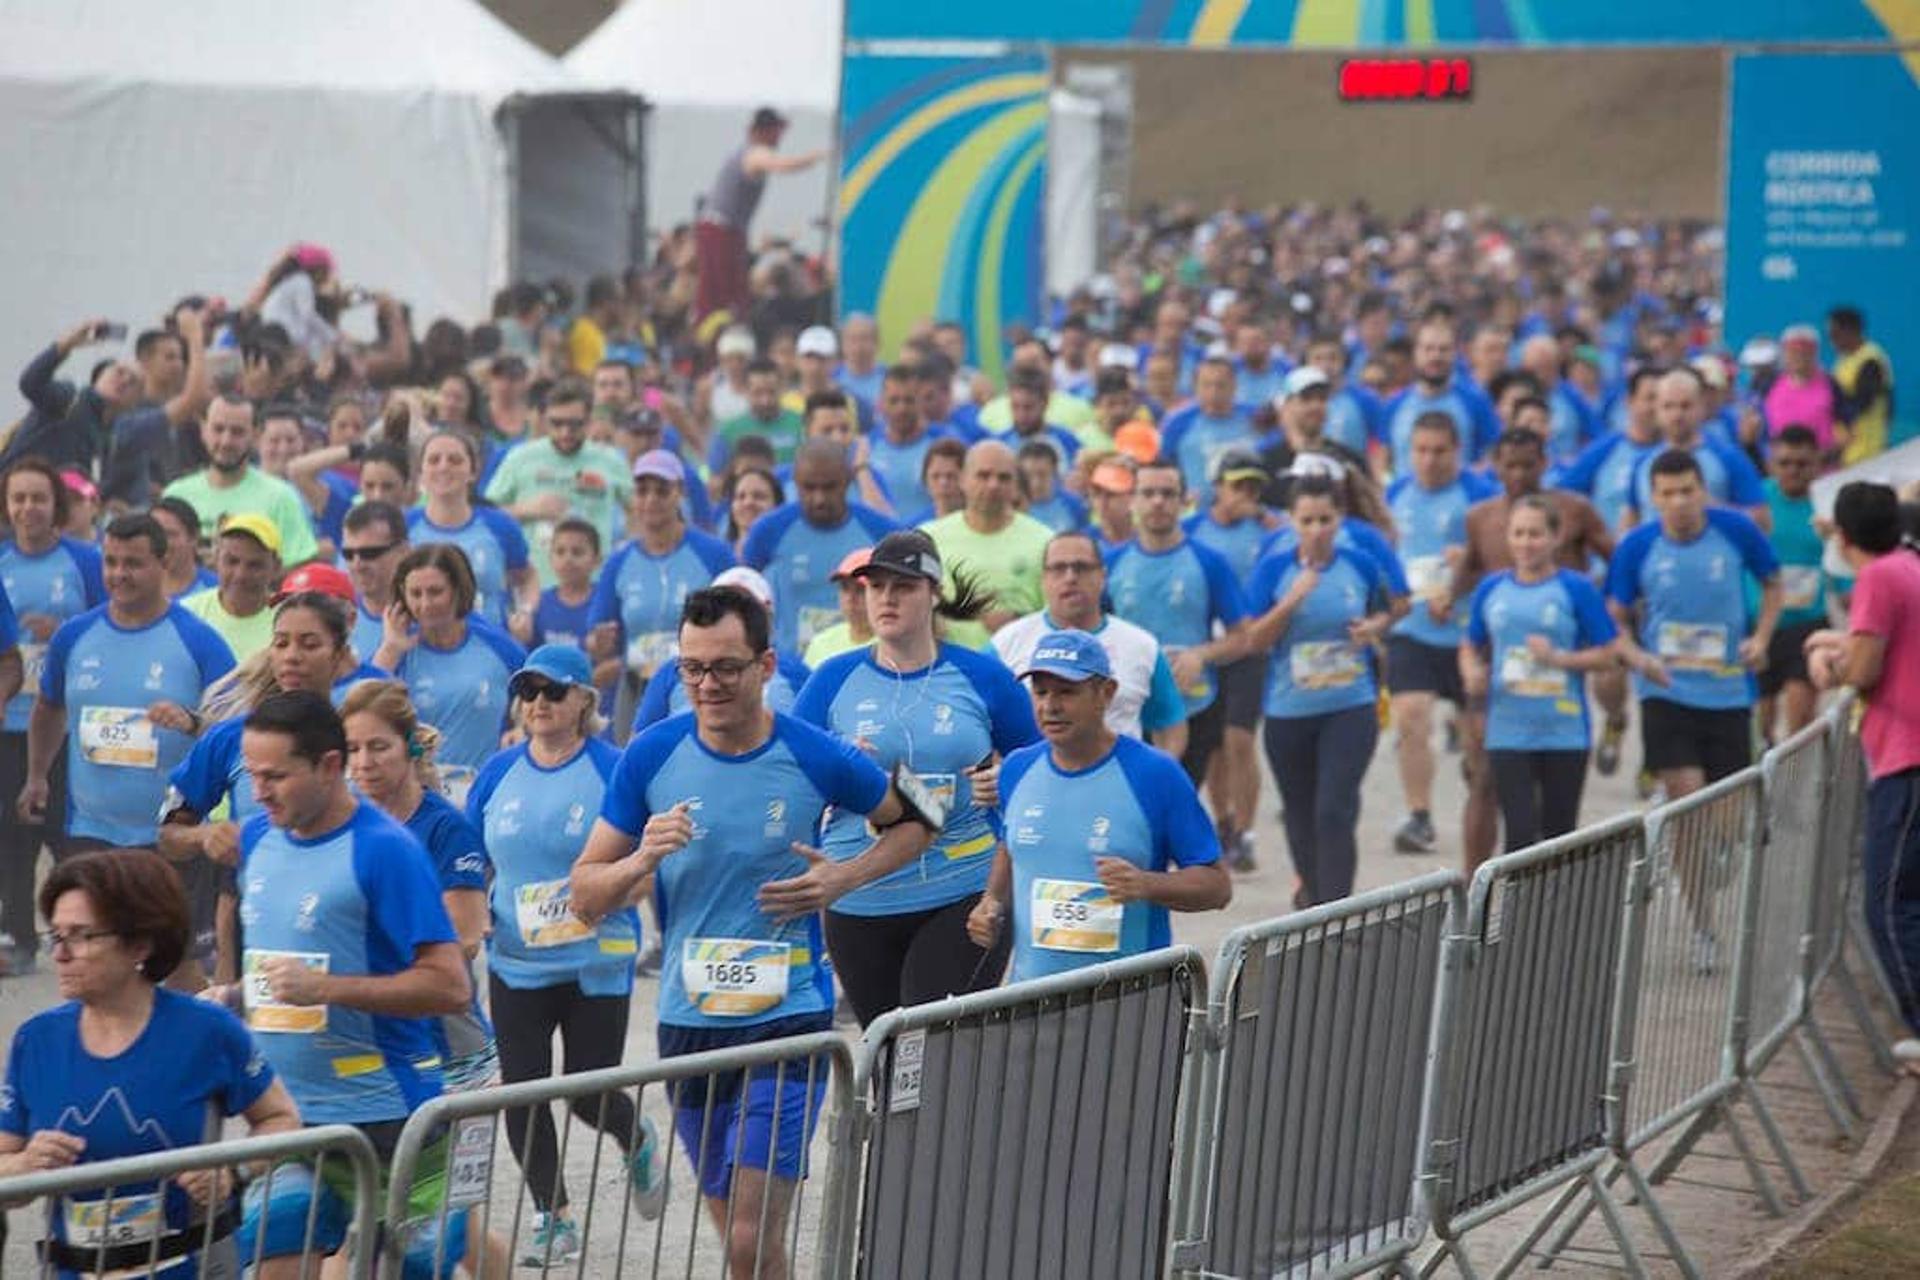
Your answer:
<point x="556" y="424"/>
<point x="75" y="941"/>
<point x="725" y="671"/>
<point x="366" y="553"/>
<point x="1068" y="568"/>
<point x="543" y="690"/>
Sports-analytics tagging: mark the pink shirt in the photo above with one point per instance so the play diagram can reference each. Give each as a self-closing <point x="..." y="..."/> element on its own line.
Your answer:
<point x="1886" y="603"/>
<point x="1809" y="403"/>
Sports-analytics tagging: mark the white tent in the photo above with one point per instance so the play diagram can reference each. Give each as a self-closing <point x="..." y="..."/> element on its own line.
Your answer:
<point x="149" y="150"/>
<point x="703" y="66"/>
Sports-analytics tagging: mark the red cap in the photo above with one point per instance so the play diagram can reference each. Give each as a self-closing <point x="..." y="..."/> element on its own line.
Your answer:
<point x="324" y="578"/>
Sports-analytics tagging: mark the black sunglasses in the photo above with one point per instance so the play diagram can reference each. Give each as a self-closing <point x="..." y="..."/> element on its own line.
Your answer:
<point x="544" y="690"/>
<point x="366" y="553"/>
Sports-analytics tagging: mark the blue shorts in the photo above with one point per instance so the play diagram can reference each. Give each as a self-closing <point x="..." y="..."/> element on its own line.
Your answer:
<point x="296" y="1192"/>
<point x="763" y="1118"/>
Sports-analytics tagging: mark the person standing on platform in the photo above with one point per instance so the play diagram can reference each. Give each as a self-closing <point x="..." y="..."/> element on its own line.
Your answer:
<point x="720" y="235"/>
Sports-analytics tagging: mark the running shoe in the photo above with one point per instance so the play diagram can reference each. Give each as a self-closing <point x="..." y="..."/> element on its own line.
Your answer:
<point x="555" y="1242"/>
<point x="1240" y="853"/>
<point x="648" y="965"/>
<point x="1606" y="757"/>
<point x="647" y="1173"/>
<point x="1416" y="835"/>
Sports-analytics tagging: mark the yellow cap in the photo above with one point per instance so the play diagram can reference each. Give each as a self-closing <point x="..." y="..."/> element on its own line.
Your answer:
<point x="255" y="526"/>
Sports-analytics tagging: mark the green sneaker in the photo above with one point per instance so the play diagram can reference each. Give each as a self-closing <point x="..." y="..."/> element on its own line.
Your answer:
<point x="555" y="1242"/>
<point x="647" y="1173"/>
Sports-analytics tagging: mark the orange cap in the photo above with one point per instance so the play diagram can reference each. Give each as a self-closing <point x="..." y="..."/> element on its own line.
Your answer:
<point x="1113" y="477"/>
<point x="1139" y="441"/>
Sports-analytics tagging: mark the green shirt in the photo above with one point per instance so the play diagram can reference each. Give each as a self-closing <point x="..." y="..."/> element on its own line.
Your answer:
<point x="831" y="643"/>
<point x="257" y="492"/>
<point x="245" y="636"/>
<point x="784" y="433"/>
<point x="1063" y="410"/>
<point x="594" y="480"/>
<point x="1006" y="563"/>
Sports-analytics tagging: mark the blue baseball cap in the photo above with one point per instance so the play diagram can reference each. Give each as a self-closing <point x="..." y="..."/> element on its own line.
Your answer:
<point x="560" y="663"/>
<point x="1071" y="655"/>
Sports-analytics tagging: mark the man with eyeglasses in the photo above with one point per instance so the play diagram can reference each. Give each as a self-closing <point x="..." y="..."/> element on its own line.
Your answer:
<point x="372" y="541"/>
<point x="712" y="809"/>
<point x="1146" y="698"/>
<point x="542" y="482"/>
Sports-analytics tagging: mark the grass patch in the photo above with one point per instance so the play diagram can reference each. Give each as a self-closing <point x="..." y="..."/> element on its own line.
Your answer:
<point x="1879" y="1240"/>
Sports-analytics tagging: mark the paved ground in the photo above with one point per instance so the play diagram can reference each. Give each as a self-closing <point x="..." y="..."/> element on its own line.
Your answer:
<point x="1719" y="1216"/>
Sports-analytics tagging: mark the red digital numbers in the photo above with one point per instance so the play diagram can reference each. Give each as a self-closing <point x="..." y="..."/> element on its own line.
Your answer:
<point x="1406" y="80"/>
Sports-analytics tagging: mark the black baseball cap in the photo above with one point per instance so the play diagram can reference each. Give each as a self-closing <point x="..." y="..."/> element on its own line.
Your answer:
<point x="908" y="552"/>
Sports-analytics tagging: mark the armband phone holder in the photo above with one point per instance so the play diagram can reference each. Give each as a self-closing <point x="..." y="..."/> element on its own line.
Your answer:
<point x="923" y="806"/>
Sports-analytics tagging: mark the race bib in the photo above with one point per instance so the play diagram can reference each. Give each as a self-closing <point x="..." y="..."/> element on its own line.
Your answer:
<point x="264" y="1013"/>
<point x="650" y="650"/>
<point x="1521" y="673"/>
<point x="94" y="1224"/>
<point x="544" y="912"/>
<point x="813" y="620"/>
<point x="1427" y="576"/>
<point x="1075" y="915"/>
<point x="1693" y="646"/>
<point x="734" y="977"/>
<point x="119" y="736"/>
<point x="1799" y="587"/>
<point x="1324" y="664"/>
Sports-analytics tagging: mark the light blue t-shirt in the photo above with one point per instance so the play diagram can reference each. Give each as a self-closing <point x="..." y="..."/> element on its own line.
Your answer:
<point x="462" y="692"/>
<point x="495" y="547"/>
<point x="897" y="466"/>
<point x="1314" y="669"/>
<point x="369" y="629"/>
<point x="1430" y="522"/>
<point x="798" y="558"/>
<point x="361" y="900"/>
<point x="1177" y="594"/>
<point x="534" y="820"/>
<point x="1604" y="472"/>
<point x="1195" y="441"/>
<point x="1062" y="512"/>
<point x="1355" y="415"/>
<point x="459" y="858"/>
<point x="1136" y="803"/>
<point x="106" y="677"/>
<point x="1531" y="707"/>
<point x="1693" y="605"/>
<point x="724" y="962"/>
<point x="59" y="583"/>
<point x="1467" y="405"/>
<point x="939" y="722"/>
<point x="642" y="594"/>
<point x="1728" y="474"/>
<point x="1254" y="390"/>
<point x="1571" y="423"/>
<point x="1354" y="534"/>
<point x="1238" y="543"/>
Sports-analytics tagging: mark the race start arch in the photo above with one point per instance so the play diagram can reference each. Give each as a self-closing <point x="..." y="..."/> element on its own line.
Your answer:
<point x="944" y="119"/>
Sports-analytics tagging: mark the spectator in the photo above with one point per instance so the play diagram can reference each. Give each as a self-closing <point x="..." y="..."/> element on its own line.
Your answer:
<point x="720" y="237"/>
<point x="1864" y="377"/>
<point x="1802" y="395"/>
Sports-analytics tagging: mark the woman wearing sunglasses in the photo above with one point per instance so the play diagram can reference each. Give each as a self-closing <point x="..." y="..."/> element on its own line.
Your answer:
<point x="547" y="968"/>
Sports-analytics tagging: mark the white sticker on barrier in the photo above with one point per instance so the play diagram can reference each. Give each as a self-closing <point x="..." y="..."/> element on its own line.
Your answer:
<point x="909" y="1051"/>
<point x="1496" y="912"/>
<point x="470" y="1164"/>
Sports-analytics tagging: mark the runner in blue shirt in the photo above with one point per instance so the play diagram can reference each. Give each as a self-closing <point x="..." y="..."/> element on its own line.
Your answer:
<point x="1194" y="437"/>
<point x="1532" y="632"/>
<point x="181" y="523"/>
<point x="455" y="663"/>
<point x="897" y="447"/>
<point x="1728" y="475"/>
<point x="717" y="810"/>
<point x="1571" y="421"/>
<point x="372" y="540"/>
<point x="1321" y="609"/>
<point x="668" y="696"/>
<point x="1028" y="394"/>
<point x="349" y="955"/>
<point x="563" y="613"/>
<point x="1354" y="413"/>
<point x="1259" y="367"/>
<point x="941" y="711"/>
<point x="122" y="1068"/>
<point x="1429" y="505"/>
<point x="797" y="545"/>
<point x="1605" y="469"/>
<point x="1104" y="835"/>
<point x="1438" y="387"/>
<point x="1046" y="500"/>
<point x="1794" y="460"/>
<point x="549" y="970"/>
<point x="495" y="547"/>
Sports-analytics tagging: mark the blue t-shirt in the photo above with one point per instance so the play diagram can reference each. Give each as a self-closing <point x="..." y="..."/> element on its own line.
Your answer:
<point x="557" y="622"/>
<point x="1136" y="804"/>
<point x="1195" y="441"/>
<point x="1430" y="521"/>
<point x="1800" y="551"/>
<point x="535" y="820"/>
<point x="1532" y="707"/>
<point x="1466" y="404"/>
<point x="190" y="1067"/>
<point x="725" y="963"/>
<point x="1729" y="475"/>
<point x="798" y="558"/>
<point x="360" y="899"/>
<point x="369" y="629"/>
<point x="666" y="694"/>
<point x="642" y="594"/>
<point x="60" y="582"/>
<point x="1254" y="390"/>
<point x="784" y="474"/>
<point x="1354" y="534"/>
<point x="1314" y="669"/>
<point x="459" y="858"/>
<point x="202" y="579"/>
<point x="939" y="722"/>
<point x="1604" y="472"/>
<point x="1693" y="605"/>
<point x="331" y="521"/>
<point x="462" y="692"/>
<point x="897" y="467"/>
<point x="106" y="677"/>
<point x="1063" y="512"/>
<point x="1571" y="423"/>
<point x="1355" y="415"/>
<point x="1238" y="543"/>
<point x="495" y="547"/>
<point x="9" y="624"/>
<point x="1064" y="443"/>
<point x="1178" y="594"/>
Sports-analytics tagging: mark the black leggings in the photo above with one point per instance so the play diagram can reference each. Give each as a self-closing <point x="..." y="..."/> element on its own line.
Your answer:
<point x="593" y="1031"/>
<point x="1539" y="793"/>
<point x="1318" y="763"/>
<point x="20" y="841"/>
<point x="888" y="962"/>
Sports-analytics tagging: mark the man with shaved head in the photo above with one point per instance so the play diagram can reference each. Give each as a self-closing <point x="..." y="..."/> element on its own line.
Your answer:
<point x="799" y="545"/>
<point x="1000" y="546"/>
<point x="1571" y="420"/>
<point x="1729" y="476"/>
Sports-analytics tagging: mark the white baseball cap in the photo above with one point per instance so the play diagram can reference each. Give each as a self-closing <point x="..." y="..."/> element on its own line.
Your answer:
<point x="1117" y="355"/>
<point x="1304" y="379"/>
<point x="749" y="581"/>
<point x="817" y="340"/>
<point x="735" y="340"/>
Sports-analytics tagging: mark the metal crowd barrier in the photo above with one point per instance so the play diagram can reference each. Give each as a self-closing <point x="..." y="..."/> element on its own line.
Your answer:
<point x="1523" y="1077"/>
<point x="1309" y="1106"/>
<point x="1025" y="1131"/>
<point x="761" y="1224"/>
<point x="132" y="1227"/>
<point x="1845" y="830"/>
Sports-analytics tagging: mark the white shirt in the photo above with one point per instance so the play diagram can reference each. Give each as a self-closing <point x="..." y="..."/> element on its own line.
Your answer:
<point x="1132" y="651"/>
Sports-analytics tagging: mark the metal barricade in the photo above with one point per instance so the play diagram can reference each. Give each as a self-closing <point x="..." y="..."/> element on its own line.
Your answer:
<point x="1845" y="918"/>
<point x="1028" y="1130"/>
<point x="755" y="1104"/>
<point x="132" y="1232"/>
<point x="1530" y="997"/>
<point x="1319" y="1036"/>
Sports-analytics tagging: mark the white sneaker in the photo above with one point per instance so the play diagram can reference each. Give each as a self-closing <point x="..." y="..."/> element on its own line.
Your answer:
<point x="1704" y="951"/>
<point x="1907" y="1050"/>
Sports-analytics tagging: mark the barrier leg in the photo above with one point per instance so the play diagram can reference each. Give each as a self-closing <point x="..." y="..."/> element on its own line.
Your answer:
<point x="1682" y="1147"/>
<point x="1454" y="1250"/>
<point x="1843" y="1107"/>
<point x="1661" y="1223"/>
<point x="1571" y="1227"/>
<point x="1775" y="1139"/>
<point x="1863" y="1016"/>
<point x="1756" y="1172"/>
<point x="1616" y="1225"/>
<point x="1540" y="1228"/>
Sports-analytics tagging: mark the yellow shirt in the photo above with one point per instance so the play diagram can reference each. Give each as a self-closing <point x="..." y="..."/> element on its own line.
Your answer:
<point x="586" y="346"/>
<point x="1869" y="428"/>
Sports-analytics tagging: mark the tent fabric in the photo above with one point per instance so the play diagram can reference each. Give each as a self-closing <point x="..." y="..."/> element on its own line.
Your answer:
<point x="702" y="83"/>
<point x="151" y="150"/>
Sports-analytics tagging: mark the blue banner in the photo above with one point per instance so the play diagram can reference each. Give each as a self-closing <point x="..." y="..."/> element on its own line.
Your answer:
<point x="1823" y="198"/>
